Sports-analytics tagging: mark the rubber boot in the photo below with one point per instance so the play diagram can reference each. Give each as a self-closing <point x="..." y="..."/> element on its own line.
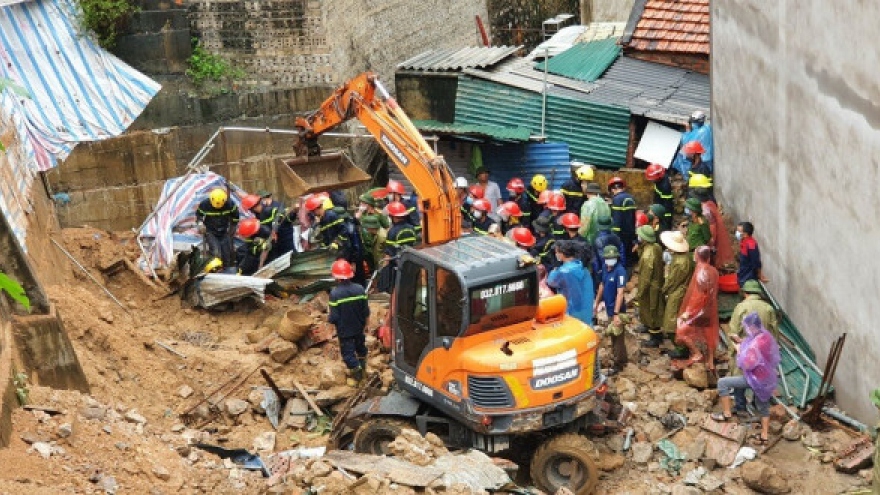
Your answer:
<point x="363" y="363"/>
<point x="654" y="340"/>
<point x="355" y="378"/>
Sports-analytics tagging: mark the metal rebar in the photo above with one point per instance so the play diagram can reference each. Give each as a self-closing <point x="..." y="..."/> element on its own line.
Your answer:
<point x="93" y="279"/>
<point x="785" y="383"/>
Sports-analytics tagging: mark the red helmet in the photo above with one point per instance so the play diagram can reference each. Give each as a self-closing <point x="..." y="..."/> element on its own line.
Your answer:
<point x="395" y="187"/>
<point x="570" y="221"/>
<point x="249" y="201"/>
<point x="314" y="202"/>
<point x="655" y="171"/>
<point x="512" y="209"/>
<point x="616" y="180"/>
<point x="396" y="209"/>
<point x="641" y="218"/>
<point x="523" y="236"/>
<point x="341" y="270"/>
<point x="693" y="148"/>
<point x="477" y="191"/>
<point x="544" y="197"/>
<point x="482" y="205"/>
<point x="516" y="185"/>
<point x="556" y="202"/>
<point x="248" y="227"/>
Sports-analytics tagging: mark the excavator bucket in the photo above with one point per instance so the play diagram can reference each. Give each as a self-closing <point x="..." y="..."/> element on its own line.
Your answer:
<point x="301" y="175"/>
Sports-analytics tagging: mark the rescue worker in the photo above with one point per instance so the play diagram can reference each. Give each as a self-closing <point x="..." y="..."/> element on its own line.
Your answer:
<point x="516" y="192"/>
<point x="679" y="269"/>
<point x="663" y="196"/>
<point x="279" y="222"/>
<point x="655" y="215"/>
<point x="610" y="291"/>
<point x="217" y="219"/>
<point x="482" y="220"/>
<point x="572" y="279"/>
<point x="692" y="152"/>
<point x="594" y="207"/>
<point x="700" y="186"/>
<point x="649" y="293"/>
<point x="339" y="233"/>
<point x="465" y="202"/>
<point x="543" y="248"/>
<point x="523" y="238"/>
<point x="702" y="132"/>
<point x="604" y="237"/>
<point x="401" y="234"/>
<point x="623" y="215"/>
<point x="370" y="206"/>
<point x="556" y="205"/>
<point x="509" y="215"/>
<point x="749" y="255"/>
<point x="395" y="193"/>
<point x="256" y="242"/>
<point x="698" y="231"/>
<point x="719" y="241"/>
<point x="537" y="186"/>
<point x="349" y="312"/>
<point x="572" y="224"/>
<point x="373" y="235"/>
<point x="573" y="189"/>
<point x="753" y="303"/>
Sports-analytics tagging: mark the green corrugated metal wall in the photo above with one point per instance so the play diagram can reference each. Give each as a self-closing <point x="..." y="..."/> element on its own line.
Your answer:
<point x="596" y="134"/>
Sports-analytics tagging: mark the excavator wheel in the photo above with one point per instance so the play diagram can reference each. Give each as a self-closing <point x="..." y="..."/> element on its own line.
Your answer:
<point x="565" y="461"/>
<point x="375" y="434"/>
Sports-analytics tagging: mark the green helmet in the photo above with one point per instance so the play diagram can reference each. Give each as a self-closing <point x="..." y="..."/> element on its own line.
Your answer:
<point x="604" y="221"/>
<point x="752" y="287"/>
<point x="610" y="252"/>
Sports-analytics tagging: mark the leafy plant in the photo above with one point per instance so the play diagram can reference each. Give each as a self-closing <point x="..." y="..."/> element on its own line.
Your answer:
<point x="106" y="18"/>
<point x="20" y="380"/>
<point x="15" y="291"/>
<point x="204" y="66"/>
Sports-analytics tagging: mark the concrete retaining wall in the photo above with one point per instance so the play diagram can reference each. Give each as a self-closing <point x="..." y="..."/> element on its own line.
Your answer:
<point x="796" y="134"/>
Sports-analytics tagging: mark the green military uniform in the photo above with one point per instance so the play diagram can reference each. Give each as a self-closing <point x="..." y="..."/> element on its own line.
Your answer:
<point x="678" y="276"/>
<point x="698" y="231"/>
<point x="649" y="295"/>
<point x="374" y="244"/>
<point x="369" y="198"/>
<point x="751" y="304"/>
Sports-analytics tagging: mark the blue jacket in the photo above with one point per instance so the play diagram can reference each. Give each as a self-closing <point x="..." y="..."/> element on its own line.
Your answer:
<point x="574" y="282"/>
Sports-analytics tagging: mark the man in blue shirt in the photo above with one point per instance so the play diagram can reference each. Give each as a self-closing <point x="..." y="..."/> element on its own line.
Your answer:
<point x="610" y="291"/>
<point x="573" y="281"/>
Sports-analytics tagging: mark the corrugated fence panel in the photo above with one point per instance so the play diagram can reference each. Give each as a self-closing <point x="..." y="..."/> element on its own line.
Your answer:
<point x="595" y="133"/>
<point x="509" y="161"/>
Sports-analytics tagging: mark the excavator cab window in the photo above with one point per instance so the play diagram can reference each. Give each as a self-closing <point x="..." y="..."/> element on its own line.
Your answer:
<point x="450" y="303"/>
<point x="413" y="312"/>
<point x="502" y="303"/>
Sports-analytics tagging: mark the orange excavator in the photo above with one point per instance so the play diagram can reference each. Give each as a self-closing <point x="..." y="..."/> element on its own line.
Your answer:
<point x="477" y="358"/>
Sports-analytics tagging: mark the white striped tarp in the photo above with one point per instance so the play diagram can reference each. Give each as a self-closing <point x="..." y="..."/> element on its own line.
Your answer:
<point x="76" y="92"/>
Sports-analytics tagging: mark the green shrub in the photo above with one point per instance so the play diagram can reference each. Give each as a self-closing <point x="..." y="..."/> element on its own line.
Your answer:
<point x="204" y="67"/>
<point x="105" y="18"/>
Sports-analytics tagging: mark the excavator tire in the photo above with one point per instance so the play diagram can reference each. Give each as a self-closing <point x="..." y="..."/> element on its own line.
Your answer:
<point x="375" y="434"/>
<point x="565" y="461"/>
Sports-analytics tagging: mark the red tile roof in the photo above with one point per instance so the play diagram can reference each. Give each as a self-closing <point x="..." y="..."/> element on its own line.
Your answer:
<point x="672" y="26"/>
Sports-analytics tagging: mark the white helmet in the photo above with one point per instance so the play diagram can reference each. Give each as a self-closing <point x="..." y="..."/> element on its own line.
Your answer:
<point x="461" y="182"/>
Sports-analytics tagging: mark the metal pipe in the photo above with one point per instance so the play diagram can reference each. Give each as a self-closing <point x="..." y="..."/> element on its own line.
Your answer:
<point x="77" y="263"/>
<point x="628" y="440"/>
<point x="294" y="132"/>
<point x="785" y="383"/>
<point x="806" y="375"/>
<point x="839" y="416"/>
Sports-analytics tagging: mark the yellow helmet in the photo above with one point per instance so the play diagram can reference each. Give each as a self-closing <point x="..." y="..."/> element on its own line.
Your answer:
<point x="699" y="180"/>
<point x="539" y="183"/>
<point x="214" y="265"/>
<point x="327" y="205"/>
<point x="585" y="172"/>
<point x="218" y="197"/>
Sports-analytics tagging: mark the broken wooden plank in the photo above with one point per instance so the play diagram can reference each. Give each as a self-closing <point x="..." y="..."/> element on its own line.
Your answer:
<point x="46" y="409"/>
<point x="396" y="470"/>
<point x="308" y="398"/>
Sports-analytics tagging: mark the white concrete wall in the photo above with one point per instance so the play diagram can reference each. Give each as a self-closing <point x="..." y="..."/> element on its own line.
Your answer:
<point x="796" y="111"/>
<point x="611" y="10"/>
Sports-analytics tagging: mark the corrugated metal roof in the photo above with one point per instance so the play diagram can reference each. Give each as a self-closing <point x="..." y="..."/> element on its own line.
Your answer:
<point x="583" y="61"/>
<point x="501" y="133"/>
<point x="456" y="59"/>
<point x="596" y="133"/>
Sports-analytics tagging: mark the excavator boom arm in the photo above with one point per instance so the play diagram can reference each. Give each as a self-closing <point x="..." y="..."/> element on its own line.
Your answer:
<point x="364" y="98"/>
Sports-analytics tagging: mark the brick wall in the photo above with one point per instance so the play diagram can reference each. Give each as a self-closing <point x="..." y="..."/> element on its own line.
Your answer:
<point x="295" y="43"/>
<point x="695" y="62"/>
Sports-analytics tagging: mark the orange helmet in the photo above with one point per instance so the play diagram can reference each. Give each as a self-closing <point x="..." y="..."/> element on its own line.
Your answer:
<point x="395" y="187"/>
<point x="544" y="197"/>
<point x="482" y="205"/>
<point x="693" y="148"/>
<point x="516" y="185"/>
<point x="396" y="209"/>
<point x="523" y="236"/>
<point x="616" y="180"/>
<point x="248" y="227"/>
<point x="512" y="209"/>
<point x="249" y="201"/>
<point x="341" y="270"/>
<point x="314" y="202"/>
<point x="570" y="221"/>
<point x="655" y="171"/>
<point x="641" y="218"/>
<point x="556" y="202"/>
<point x="477" y="191"/>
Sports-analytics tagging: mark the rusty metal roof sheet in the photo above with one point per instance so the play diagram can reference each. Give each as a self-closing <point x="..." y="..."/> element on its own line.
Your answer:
<point x="457" y="59"/>
<point x="583" y="61"/>
<point x="670" y="26"/>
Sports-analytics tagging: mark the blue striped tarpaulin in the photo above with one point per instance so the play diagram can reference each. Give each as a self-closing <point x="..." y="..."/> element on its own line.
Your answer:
<point x="76" y="92"/>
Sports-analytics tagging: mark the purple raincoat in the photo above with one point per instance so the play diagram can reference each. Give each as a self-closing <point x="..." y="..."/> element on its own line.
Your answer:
<point x="758" y="358"/>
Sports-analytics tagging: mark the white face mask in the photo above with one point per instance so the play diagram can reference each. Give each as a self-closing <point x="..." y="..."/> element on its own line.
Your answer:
<point x="362" y="208"/>
<point x="611" y="262"/>
<point x="504" y="216"/>
<point x="667" y="257"/>
<point x="739" y="235"/>
<point x="478" y="214"/>
<point x="687" y="211"/>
